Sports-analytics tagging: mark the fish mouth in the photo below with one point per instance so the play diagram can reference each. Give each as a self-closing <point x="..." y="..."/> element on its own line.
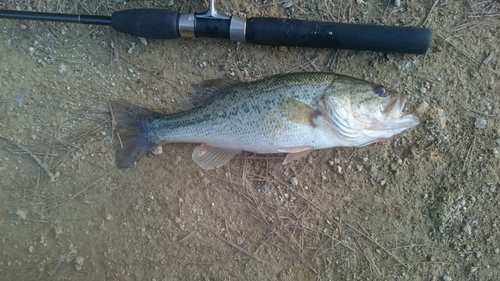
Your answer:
<point x="395" y="105"/>
<point x="394" y="117"/>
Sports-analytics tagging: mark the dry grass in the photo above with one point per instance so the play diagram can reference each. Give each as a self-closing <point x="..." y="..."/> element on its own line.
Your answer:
<point x="294" y="220"/>
<point x="484" y="14"/>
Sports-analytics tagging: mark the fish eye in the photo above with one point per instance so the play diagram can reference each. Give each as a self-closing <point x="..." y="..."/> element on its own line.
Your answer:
<point x="380" y="91"/>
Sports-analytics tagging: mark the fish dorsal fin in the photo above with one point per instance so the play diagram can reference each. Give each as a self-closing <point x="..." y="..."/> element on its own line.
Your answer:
<point x="209" y="157"/>
<point x="299" y="112"/>
<point x="210" y="88"/>
<point x="216" y="85"/>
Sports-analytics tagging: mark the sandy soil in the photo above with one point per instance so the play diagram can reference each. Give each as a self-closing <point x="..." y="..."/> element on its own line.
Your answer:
<point x="424" y="205"/>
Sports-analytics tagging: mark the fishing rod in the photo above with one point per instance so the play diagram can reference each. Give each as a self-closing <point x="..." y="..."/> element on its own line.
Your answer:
<point x="167" y="24"/>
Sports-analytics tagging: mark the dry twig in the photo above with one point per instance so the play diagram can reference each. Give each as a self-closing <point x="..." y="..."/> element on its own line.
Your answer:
<point x="33" y="156"/>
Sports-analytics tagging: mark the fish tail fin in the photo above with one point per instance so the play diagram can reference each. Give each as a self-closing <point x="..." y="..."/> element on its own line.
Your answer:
<point x="135" y="130"/>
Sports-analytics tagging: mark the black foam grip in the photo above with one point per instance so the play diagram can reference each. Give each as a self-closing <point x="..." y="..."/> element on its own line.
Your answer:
<point x="300" y="33"/>
<point x="150" y="23"/>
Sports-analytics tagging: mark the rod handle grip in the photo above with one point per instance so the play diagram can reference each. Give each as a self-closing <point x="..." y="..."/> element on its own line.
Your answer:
<point x="316" y="34"/>
<point x="149" y="23"/>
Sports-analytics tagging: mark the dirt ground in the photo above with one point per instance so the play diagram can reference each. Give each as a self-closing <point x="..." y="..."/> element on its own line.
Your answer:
<point x="423" y="205"/>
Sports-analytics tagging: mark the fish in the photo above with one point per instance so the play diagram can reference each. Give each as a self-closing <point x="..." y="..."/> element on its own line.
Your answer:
<point x="292" y="113"/>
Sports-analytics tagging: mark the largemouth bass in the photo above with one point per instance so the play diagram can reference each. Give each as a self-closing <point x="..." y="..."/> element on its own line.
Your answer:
<point x="290" y="113"/>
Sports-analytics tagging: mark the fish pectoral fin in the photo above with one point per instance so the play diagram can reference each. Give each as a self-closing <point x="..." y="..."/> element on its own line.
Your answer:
<point x="210" y="157"/>
<point x="299" y="112"/>
<point x="295" y="152"/>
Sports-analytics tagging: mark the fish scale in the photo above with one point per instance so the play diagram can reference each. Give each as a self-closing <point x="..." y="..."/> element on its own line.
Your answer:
<point x="259" y="110"/>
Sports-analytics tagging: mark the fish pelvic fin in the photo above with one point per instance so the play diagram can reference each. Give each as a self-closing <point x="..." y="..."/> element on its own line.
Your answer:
<point x="135" y="130"/>
<point x="295" y="152"/>
<point x="210" y="157"/>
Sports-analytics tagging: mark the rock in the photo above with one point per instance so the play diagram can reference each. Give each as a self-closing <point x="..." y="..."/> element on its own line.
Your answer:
<point x="422" y="108"/>
<point x="62" y="68"/>
<point x="58" y="231"/>
<point x="239" y="240"/>
<point x="157" y="151"/>
<point x="287" y="4"/>
<point x="480" y="123"/>
<point x="21" y="214"/>
<point x="78" y="263"/>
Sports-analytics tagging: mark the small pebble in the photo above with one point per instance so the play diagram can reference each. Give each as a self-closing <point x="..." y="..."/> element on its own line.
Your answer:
<point x="294" y="181"/>
<point x="31" y="249"/>
<point x="486" y="60"/>
<point x="339" y="169"/>
<point x="447" y="278"/>
<point x="78" y="263"/>
<point x="143" y="41"/>
<point x="58" y="231"/>
<point x="21" y="214"/>
<point x="260" y="187"/>
<point x="287" y="4"/>
<point x="239" y="240"/>
<point x="130" y="48"/>
<point x="62" y="68"/>
<point x="422" y="108"/>
<point x="19" y="97"/>
<point x="397" y="3"/>
<point x="157" y="151"/>
<point x="178" y="159"/>
<point x="23" y="26"/>
<point x="480" y="123"/>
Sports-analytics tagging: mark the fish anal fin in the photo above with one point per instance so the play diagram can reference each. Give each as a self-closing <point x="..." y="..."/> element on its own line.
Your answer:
<point x="210" y="157"/>
<point x="299" y="112"/>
